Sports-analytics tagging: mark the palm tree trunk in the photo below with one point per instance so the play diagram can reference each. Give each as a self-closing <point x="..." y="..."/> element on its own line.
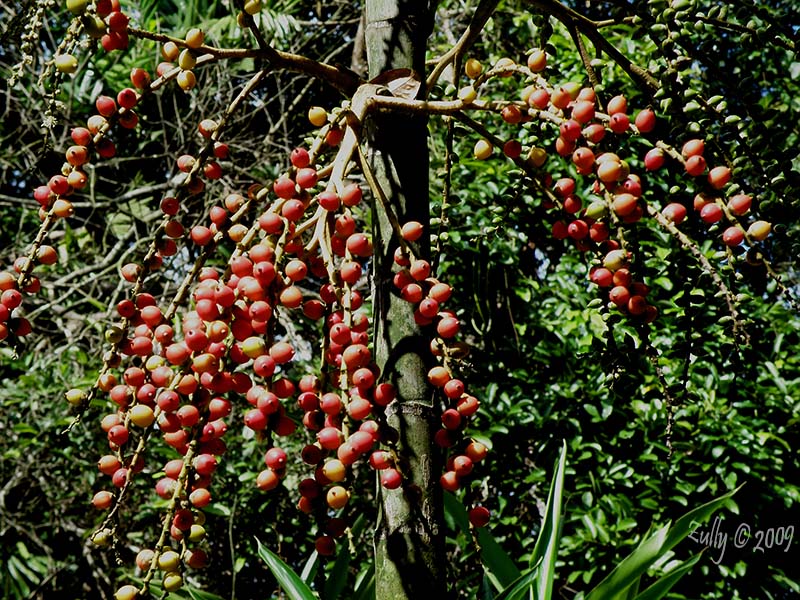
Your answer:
<point x="409" y="541"/>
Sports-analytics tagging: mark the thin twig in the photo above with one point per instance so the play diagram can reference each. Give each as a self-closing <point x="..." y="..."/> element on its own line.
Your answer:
<point x="479" y="18"/>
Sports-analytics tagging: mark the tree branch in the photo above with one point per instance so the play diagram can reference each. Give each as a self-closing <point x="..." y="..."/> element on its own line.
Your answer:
<point x="573" y="19"/>
<point x="479" y="19"/>
<point x="342" y="79"/>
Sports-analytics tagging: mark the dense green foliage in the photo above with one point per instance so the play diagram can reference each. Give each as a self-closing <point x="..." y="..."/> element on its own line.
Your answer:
<point x="658" y="418"/>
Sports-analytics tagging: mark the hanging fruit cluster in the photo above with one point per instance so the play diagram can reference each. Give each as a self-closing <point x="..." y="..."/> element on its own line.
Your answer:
<point x="592" y="194"/>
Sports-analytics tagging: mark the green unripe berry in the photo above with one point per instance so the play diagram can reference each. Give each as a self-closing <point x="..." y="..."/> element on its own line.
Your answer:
<point x="114" y="335"/>
<point x="66" y="63"/>
<point x="172" y="581"/>
<point x="197" y="533"/>
<point x="95" y="26"/>
<point x="169" y="560"/>
<point x="77" y="7"/>
<point x="75" y="396"/>
<point x="597" y="210"/>
<point x="102" y="538"/>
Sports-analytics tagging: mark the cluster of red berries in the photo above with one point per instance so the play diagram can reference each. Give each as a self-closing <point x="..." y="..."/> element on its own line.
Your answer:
<point x="581" y="128"/>
<point x="116" y="22"/>
<point x="711" y="205"/>
<point x="185" y="383"/>
<point x="11" y="294"/>
<point x="617" y="193"/>
<point x="428" y="294"/>
<point x="53" y="197"/>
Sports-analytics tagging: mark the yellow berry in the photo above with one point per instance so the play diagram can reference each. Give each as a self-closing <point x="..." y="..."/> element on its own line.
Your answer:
<point x="334" y="470"/>
<point x="75" y="397"/>
<point x="195" y="38"/>
<point x="337" y="497"/>
<point x="483" y="149"/>
<point x="759" y="230"/>
<point x="126" y="592"/>
<point x="102" y="538"/>
<point x="186" y="60"/>
<point x="197" y="533"/>
<point x="170" y="51"/>
<point x="317" y="116"/>
<point x="142" y="415"/>
<point x="537" y="156"/>
<point x="473" y="68"/>
<point x="77" y="7"/>
<point x="252" y="7"/>
<point x="172" y="581"/>
<point x="186" y="80"/>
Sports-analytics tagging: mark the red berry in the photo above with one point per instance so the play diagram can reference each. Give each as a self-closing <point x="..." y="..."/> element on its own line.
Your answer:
<point x="733" y="236"/>
<point x="479" y="516"/>
<point x="719" y="176"/>
<point x="306" y="177"/>
<point x="619" y="123"/>
<point x="412" y="231"/>
<point x="391" y="479"/>
<point x="740" y="204"/>
<point x="140" y="78"/>
<point x="127" y="98"/>
<point x="117" y="21"/>
<point x="674" y="212"/>
<point x="58" y="185"/>
<point x="570" y="130"/>
<point x="300" y="158"/>
<point x="654" y="159"/>
<point x="695" y="165"/>
<point x="693" y="147"/>
<point x="711" y="213"/>
<point x="645" y="121"/>
<point x="284" y="187"/>
<point x="351" y="195"/>
<point x="81" y="136"/>
<point x="106" y="106"/>
<point x="617" y="104"/>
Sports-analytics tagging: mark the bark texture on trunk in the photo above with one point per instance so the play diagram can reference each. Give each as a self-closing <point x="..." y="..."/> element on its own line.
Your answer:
<point x="409" y="542"/>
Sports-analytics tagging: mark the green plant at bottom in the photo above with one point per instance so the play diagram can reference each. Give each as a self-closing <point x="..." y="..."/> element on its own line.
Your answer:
<point x="536" y="581"/>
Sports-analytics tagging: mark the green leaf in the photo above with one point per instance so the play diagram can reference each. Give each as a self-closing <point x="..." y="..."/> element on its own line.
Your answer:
<point x="337" y="577"/>
<point x="521" y="584"/>
<point x="290" y="582"/>
<point x="496" y="559"/>
<point x="689" y="522"/>
<point x="365" y="585"/>
<point x="663" y="585"/>
<point x="546" y="549"/>
<point x="628" y="572"/>
<point x="310" y="568"/>
<point x="201" y="595"/>
<point x="486" y="588"/>
<point x="455" y="511"/>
